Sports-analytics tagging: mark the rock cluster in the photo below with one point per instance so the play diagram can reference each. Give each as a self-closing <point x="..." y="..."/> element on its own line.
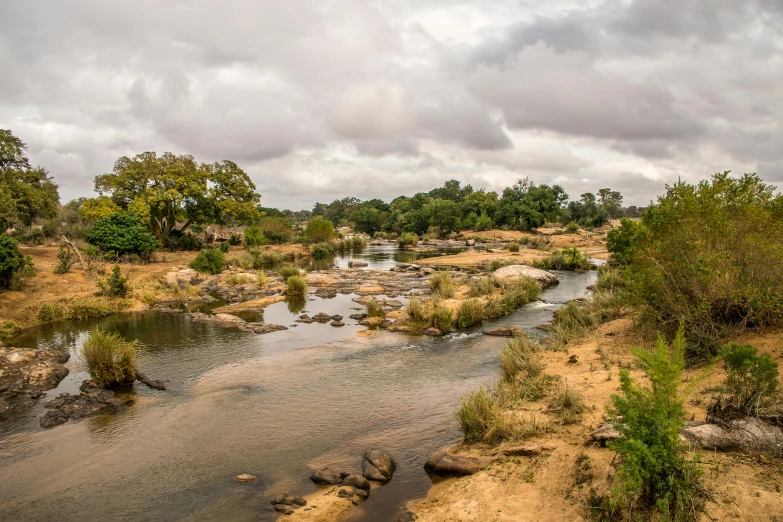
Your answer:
<point x="25" y="374"/>
<point x="232" y="321"/>
<point x="287" y="503"/>
<point x="377" y="466"/>
<point x="91" y="401"/>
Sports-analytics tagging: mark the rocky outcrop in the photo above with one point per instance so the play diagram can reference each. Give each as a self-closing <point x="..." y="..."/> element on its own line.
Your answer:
<point x="378" y="466"/>
<point x="448" y="463"/>
<point x="508" y="331"/>
<point x="748" y="435"/>
<point x="287" y="503"/>
<point x="326" y="475"/>
<point x="356" y="481"/>
<point x="26" y="374"/>
<point x="182" y="277"/>
<point x="91" y="401"/>
<point x="322" y="317"/>
<point x="232" y="321"/>
<point x="515" y="272"/>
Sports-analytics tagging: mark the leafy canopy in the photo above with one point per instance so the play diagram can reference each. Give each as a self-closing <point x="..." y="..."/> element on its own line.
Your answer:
<point x="122" y="234"/>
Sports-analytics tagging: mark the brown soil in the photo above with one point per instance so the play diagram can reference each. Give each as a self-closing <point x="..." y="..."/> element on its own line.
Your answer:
<point x="546" y="487"/>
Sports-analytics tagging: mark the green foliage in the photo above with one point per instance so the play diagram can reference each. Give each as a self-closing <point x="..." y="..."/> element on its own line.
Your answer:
<point x="374" y="309"/>
<point x="577" y="319"/>
<point x="209" y="260"/>
<point x="567" y="259"/>
<point x="751" y="379"/>
<point x="710" y="255"/>
<point x="296" y="286"/>
<point x="513" y="246"/>
<point x="444" y="214"/>
<point x="319" y="230"/>
<point x="122" y="234"/>
<point x="168" y="189"/>
<point x="91" y="308"/>
<point x="526" y="205"/>
<point x="276" y="230"/>
<point x="116" y="285"/>
<point x="9" y="329"/>
<point x="49" y="312"/>
<point x="480" y="419"/>
<point x="654" y="473"/>
<point x="12" y="262"/>
<point x="224" y="247"/>
<point x="572" y="227"/>
<point x="621" y="241"/>
<point x="610" y="279"/>
<point x="483" y="222"/>
<point x="519" y="293"/>
<point x="442" y="318"/>
<point x="95" y="209"/>
<point x="110" y="359"/>
<point x="408" y="239"/>
<point x="266" y="258"/>
<point x="322" y="251"/>
<point x="65" y="260"/>
<point x="441" y="285"/>
<point x="234" y="239"/>
<point x="497" y="264"/>
<point x="470" y="313"/>
<point x="176" y="240"/>
<point x="287" y="271"/>
<point x="479" y="286"/>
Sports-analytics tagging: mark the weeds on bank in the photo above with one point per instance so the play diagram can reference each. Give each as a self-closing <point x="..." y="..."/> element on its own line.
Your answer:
<point x="567" y="404"/>
<point x="567" y="259"/>
<point x="442" y="285"/>
<point x="479" y="286"/>
<point x="577" y="319"/>
<point x="9" y="329"/>
<point x="471" y="312"/>
<point x="110" y="359"/>
<point x="375" y="309"/>
<point x="288" y="271"/>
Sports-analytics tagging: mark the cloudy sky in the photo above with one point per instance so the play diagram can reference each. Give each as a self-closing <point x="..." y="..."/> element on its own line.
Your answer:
<point x="318" y="100"/>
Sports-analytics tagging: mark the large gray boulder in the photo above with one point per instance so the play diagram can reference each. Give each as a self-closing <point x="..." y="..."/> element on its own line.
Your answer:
<point x="515" y="272"/>
<point x="748" y="435"/>
<point x="378" y="466"/>
<point x="326" y="475"/>
<point x="448" y="464"/>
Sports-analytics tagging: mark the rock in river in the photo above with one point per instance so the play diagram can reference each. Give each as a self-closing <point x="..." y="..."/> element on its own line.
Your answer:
<point x="326" y="475"/>
<point x="244" y="477"/>
<point x="515" y="272"/>
<point x="356" y="481"/>
<point x="91" y="401"/>
<point x="378" y="466"/>
<point x="508" y="331"/>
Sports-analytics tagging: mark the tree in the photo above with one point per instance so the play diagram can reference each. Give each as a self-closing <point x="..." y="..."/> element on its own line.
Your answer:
<point x="526" y="205"/>
<point x="94" y="209"/>
<point x="480" y="202"/>
<point x="11" y="260"/>
<point x="26" y="193"/>
<point x="319" y="230"/>
<point x="167" y="189"/>
<point x="368" y="219"/>
<point x="444" y="214"/>
<point x="451" y="191"/>
<point x="122" y="234"/>
<point x="611" y="201"/>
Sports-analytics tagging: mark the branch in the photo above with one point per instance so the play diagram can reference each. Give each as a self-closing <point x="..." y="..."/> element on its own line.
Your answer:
<point x="73" y="246"/>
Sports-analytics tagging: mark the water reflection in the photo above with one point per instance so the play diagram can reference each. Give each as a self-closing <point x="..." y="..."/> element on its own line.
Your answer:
<point x="296" y="303"/>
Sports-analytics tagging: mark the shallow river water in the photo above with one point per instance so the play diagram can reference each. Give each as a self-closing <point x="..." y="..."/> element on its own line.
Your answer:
<point x="276" y="406"/>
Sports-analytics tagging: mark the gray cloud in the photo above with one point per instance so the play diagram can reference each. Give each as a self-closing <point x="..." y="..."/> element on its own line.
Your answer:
<point x="380" y="98"/>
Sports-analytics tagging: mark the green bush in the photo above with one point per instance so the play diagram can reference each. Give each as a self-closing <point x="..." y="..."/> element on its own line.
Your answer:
<point x="441" y="284"/>
<point x="253" y="237"/>
<point x="234" y="239"/>
<point x="276" y="230"/>
<point x="374" y="309"/>
<point x="497" y="264"/>
<point x="12" y="262"/>
<point x="287" y="271"/>
<point x="49" y="312"/>
<point x="322" y="251"/>
<point x="116" y="285"/>
<point x="65" y="260"/>
<point x="91" y="308"/>
<point x="9" y="329"/>
<point x="654" y="473"/>
<point x="484" y="222"/>
<point x="111" y="360"/>
<point x="408" y="239"/>
<point x="296" y="286"/>
<point x="622" y="241"/>
<point x="209" y="260"/>
<point x="266" y="258"/>
<point x="442" y="318"/>
<point x="513" y="247"/>
<point x="572" y="227"/>
<point x="751" y="379"/>
<point x="224" y="247"/>
<point x="470" y="313"/>
<point x="567" y="259"/>
<point x="319" y="230"/>
<point x="710" y="255"/>
<point x="122" y="234"/>
<point x="519" y="293"/>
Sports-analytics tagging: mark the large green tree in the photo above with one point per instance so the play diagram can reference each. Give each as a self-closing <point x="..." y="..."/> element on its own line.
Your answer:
<point x="169" y="189"/>
<point x="526" y="205"/>
<point x="26" y="193"/>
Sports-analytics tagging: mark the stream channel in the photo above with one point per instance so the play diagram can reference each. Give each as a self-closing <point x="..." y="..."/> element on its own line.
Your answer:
<point x="277" y="406"/>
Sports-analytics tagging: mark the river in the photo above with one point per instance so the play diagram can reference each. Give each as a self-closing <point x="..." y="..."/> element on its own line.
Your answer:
<point x="276" y="406"/>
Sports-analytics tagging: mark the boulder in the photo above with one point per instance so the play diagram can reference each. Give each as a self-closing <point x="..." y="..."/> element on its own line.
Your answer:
<point x="606" y="432"/>
<point x="322" y="317"/>
<point x="345" y="493"/>
<point x="304" y="318"/>
<point x="528" y="450"/>
<point x="361" y="493"/>
<point x="244" y="477"/>
<point x="183" y="277"/>
<point x="337" y="317"/>
<point x="748" y="435"/>
<point x="470" y="242"/>
<point x="356" y="264"/>
<point x="432" y="332"/>
<point x="337" y="323"/>
<point x="356" y="481"/>
<point x="507" y="331"/>
<point x="91" y="401"/>
<point x="447" y="464"/>
<point x="378" y="466"/>
<point x="326" y="293"/>
<point x="357" y="317"/>
<point x="515" y="272"/>
<point x="288" y="499"/>
<point x="326" y="475"/>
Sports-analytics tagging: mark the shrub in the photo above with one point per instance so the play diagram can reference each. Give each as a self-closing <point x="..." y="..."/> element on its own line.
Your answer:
<point x="622" y="241"/>
<point x="90" y="308"/>
<point x="319" y="230"/>
<point x="480" y="419"/>
<point x="12" y="262"/>
<point x="178" y="240"/>
<point x="572" y="227"/>
<point x="287" y="271"/>
<point x="49" y="312"/>
<point x="9" y="329"/>
<point x="470" y="313"/>
<point x="497" y="264"/>
<point x="116" y="285"/>
<point x="577" y="319"/>
<point x="266" y="258"/>
<point x="65" y="260"/>
<point x="224" y="247"/>
<point x="479" y="286"/>
<point x="710" y="255"/>
<point x="322" y="251"/>
<point x="441" y="285"/>
<point x="751" y="379"/>
<point x="513" y="246"/>
<point x="610" y="279"/>
<point x="234" y="239"/>
<point x="209" y="260"/>
<point x="122" y="234"/>
<point x="442" y="318"/>
<point x="568" y="404"/>
<point x="374" y="309"/>
<point x="276" y="230"/>
<point x="296" y="286"/>
<point x="110" y="359"/>
<point x="253" y="236"/>
<point x="415" y="309"/>
<point x="484" y="222"/>
<point x="263" y="280"/>
<point x="408" y="239"/>
<point x="519" y="293"/>
<point x="567" y="259"/>
<point x="653" y="473"/>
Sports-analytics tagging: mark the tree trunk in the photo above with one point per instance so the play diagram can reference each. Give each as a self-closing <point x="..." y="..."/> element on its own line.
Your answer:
<point x="78" y="254"/>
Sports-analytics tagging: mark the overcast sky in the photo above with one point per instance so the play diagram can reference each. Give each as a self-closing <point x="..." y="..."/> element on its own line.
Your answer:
<point x="318" y="100"/>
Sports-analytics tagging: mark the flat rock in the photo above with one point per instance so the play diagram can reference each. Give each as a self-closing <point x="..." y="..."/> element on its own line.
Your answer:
<point x="447" y="464"/>
<point x="91" y="401"/>
<point x="508" y="331"/>
<point x="337" y="317"/>
<point x="356" y="264"/>
<point x="244" y="477"/>
<point x="326" y="475"/>
<point x="515" y="272"/>
<point x="152" y="383"/>
<point x="378" y="466"/>
<point x="356" y="481"/>
<point x="748" y="435"/>
<point x="25" y="374"/>
<point x="606" y="432"/>
<point x="182" y="277"/>
<point x="527" y="450"/>
<point x="266" y="328"/>
<point x="337" y="323"/>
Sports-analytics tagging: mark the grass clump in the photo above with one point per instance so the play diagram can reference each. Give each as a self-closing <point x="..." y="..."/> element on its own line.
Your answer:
<point x="374" y="309"/>
<point x="568" y="404"/>
<point x="209" y="260"/>
<point x="408" y="239"/>
<point x="9" y="329"/>
<point x="266" y="258"/>
<point x="567" y="259"/>
<point x="572" y="227"/>
<point x="116" y="285"/>
<point x="322" y="251"/>
<point x="442" y="318"/>
<point x="470" y="313"/>
<point x="65" y="260"/>
<point x="513" y="246"/>
<point x="577" y="319"/>
<point x="90" y="308"/>
<point x="441" y="285"/>
<point x="237" y="279"/>
<point x="522" y="370"/>
<point x="479" y="286"/>
<point x="287" y="271"/>
<point x="654" y="476"/>
<point x="497" y="264"/>
<point x="111" y="360"/>
<point x="263" y="280"/>
<point x="480" y="419"/>
<point x="49" y="312"/>
<point x="296" y="285"/>
<point x="518" y="293"/>
<point x="415" y="310"/>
